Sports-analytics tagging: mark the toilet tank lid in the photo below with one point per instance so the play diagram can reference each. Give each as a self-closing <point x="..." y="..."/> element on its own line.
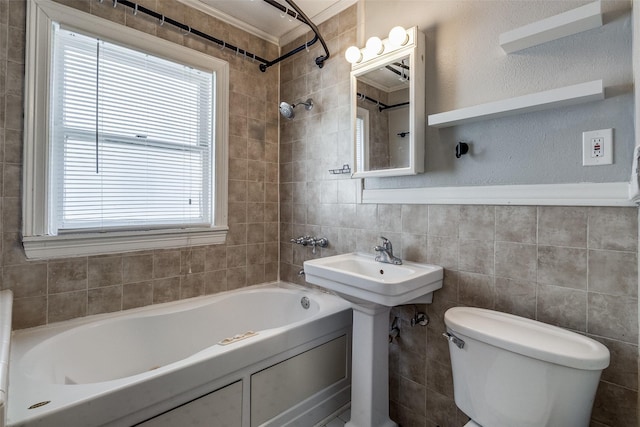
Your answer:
<point x="528" y="337"/>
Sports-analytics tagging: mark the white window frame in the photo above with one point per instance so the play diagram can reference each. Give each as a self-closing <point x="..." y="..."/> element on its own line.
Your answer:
<point x="362" y="145"/>
<point x="41" y="14"/>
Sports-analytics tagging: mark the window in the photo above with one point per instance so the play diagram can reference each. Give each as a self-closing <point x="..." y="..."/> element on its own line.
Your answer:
<point x="362" y="139"/>
<point x="130" y="150"/>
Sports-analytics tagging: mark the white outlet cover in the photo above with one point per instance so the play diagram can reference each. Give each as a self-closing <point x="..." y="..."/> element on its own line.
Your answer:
<point x="607" y="147"/>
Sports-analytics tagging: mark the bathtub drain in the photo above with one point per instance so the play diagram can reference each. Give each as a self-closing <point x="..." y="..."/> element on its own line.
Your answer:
<point x="305" y="302"/>
<point x="39" y="404"/>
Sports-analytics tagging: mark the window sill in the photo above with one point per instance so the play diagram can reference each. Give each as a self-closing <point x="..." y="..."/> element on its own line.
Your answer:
<point x="45" y="247"/>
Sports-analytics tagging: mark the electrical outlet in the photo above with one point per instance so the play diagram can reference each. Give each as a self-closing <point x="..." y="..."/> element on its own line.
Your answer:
<point x="597" y="147"/>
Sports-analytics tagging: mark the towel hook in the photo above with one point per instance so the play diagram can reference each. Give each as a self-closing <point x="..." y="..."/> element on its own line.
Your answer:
<point x="286" y="10"/>
<point x="188" y="31"/>
<point x="162" y="21"/>
<point x="223" y="45"/>
<point x="462" y="148"/>
<point x="115" y="3"/>
<point x="135" y="9"/>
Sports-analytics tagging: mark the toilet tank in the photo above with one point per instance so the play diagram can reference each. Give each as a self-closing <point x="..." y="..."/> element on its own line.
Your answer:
<point x="516" y="372"/>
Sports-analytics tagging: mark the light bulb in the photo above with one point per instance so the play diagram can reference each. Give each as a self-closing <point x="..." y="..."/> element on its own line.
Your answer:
<point x="353" y="55"/>
<point x="374" y="45"/>
<point x="398" y="36"/>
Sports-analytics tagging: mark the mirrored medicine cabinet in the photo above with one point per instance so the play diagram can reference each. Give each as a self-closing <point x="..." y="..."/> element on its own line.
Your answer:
<point x="388" y="105"/>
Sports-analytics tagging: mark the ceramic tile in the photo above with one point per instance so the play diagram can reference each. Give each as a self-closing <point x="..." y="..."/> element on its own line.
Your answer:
<point x="613" y="273"/>
<point x="516" y="224"/>
<point x="562" y="266"/>
<point x="562" y="226"/>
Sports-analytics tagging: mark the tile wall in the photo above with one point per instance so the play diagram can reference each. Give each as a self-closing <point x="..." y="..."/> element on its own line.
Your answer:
<point x="574" y="267"/>
<point x="55" y="290"/>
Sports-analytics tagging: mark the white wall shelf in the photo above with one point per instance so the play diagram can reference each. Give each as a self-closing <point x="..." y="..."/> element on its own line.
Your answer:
<point x="555" y="27"/>
<point x="576" y="194"/>
<point x="561" y="97"/>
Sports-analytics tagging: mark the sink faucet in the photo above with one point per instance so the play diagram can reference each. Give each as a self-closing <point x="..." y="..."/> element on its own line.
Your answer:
<point x="385" y="252"/>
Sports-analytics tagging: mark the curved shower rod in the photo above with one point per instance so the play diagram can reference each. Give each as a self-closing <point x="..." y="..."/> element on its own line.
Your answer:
<point x="300" y="16"/>
<point x="264" y="63"/>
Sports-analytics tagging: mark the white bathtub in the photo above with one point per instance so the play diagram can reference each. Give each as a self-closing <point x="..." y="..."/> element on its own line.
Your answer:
<point x="124" y="368"/>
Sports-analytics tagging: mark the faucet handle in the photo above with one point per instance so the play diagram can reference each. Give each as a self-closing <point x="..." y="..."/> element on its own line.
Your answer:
<point x="386" y="243"/>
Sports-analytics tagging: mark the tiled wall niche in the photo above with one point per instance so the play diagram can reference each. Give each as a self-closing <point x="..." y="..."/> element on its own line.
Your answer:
<point x="575" y="267"/>
<point x="54" y="290"/>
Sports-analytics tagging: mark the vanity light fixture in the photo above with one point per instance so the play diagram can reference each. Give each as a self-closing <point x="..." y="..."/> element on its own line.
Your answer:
<point x="398" y="37"/>
<point x="353" y="55"/>
<point x="374" y="45"/>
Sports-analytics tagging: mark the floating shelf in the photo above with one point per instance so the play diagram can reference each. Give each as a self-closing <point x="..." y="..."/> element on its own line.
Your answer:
<point x="555" y="27"/>
<point x="561" y="97"/>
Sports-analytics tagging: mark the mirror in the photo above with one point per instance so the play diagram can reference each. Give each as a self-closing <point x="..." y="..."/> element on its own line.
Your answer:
<point x="388" y="109"/>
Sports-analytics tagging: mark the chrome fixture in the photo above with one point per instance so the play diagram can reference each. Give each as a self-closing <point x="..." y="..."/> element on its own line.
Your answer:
<point x="454" y="339"/>
<point x="420" y="318"/>
<point x="314" y="242"/>
<point x="345" y="169"/>
<point x="394" y="332"/>
<point x="385" y="252"/>
<point x="286" y="109"/>
<point x="305" y="303"/>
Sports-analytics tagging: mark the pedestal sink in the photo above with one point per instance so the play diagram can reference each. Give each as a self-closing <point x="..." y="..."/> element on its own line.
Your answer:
<point x="373" y="288"/>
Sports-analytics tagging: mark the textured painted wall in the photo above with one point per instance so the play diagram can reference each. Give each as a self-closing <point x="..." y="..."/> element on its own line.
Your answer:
<point x="60" y="289"/>
<point x="466" y="67"/>
<point x="575" y="267"/>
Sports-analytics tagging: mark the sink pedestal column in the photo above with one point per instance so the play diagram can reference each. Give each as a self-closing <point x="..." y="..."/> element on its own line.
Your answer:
<point x="370" y="367"/>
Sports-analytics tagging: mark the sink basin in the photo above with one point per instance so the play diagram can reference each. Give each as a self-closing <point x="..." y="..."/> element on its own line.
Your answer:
<point x="360" y="279"/>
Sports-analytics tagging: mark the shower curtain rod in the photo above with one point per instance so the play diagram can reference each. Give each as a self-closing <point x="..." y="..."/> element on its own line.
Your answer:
<point x="298" y="14"/>
<point x="381" y="106"/>
<point x="264" y="63"/>
<point x="188" y="30"/>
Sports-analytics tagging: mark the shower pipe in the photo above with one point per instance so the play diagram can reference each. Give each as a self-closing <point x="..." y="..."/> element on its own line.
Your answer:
<point x="264" y="63"/>
<point x="298" y="14"/>
<point x="381" y="106"/>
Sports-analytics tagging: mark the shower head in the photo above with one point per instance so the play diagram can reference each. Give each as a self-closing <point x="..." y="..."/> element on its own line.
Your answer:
<point x="286" y="109"/>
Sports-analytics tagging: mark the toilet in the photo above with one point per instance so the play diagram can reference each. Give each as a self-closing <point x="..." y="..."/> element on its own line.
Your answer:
<point x="509" y="371"/>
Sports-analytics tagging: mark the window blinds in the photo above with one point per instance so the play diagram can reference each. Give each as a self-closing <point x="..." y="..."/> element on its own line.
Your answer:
<point x="132" y="138"/>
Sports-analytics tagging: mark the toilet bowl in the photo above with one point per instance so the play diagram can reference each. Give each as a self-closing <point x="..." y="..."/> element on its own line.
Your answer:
<point x="509" y="371"/>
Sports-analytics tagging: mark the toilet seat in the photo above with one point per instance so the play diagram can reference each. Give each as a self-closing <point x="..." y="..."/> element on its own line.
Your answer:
<point x="472" y="423"/>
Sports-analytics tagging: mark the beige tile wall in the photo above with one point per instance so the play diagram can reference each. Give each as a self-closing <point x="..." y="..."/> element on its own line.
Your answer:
<point x="54" y="290"/>
<point x="575" y="267"/>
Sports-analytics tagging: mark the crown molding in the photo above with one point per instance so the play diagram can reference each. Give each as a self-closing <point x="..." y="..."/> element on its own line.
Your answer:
<point x="319" y="18"/>
<point x="212" y="11"/>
